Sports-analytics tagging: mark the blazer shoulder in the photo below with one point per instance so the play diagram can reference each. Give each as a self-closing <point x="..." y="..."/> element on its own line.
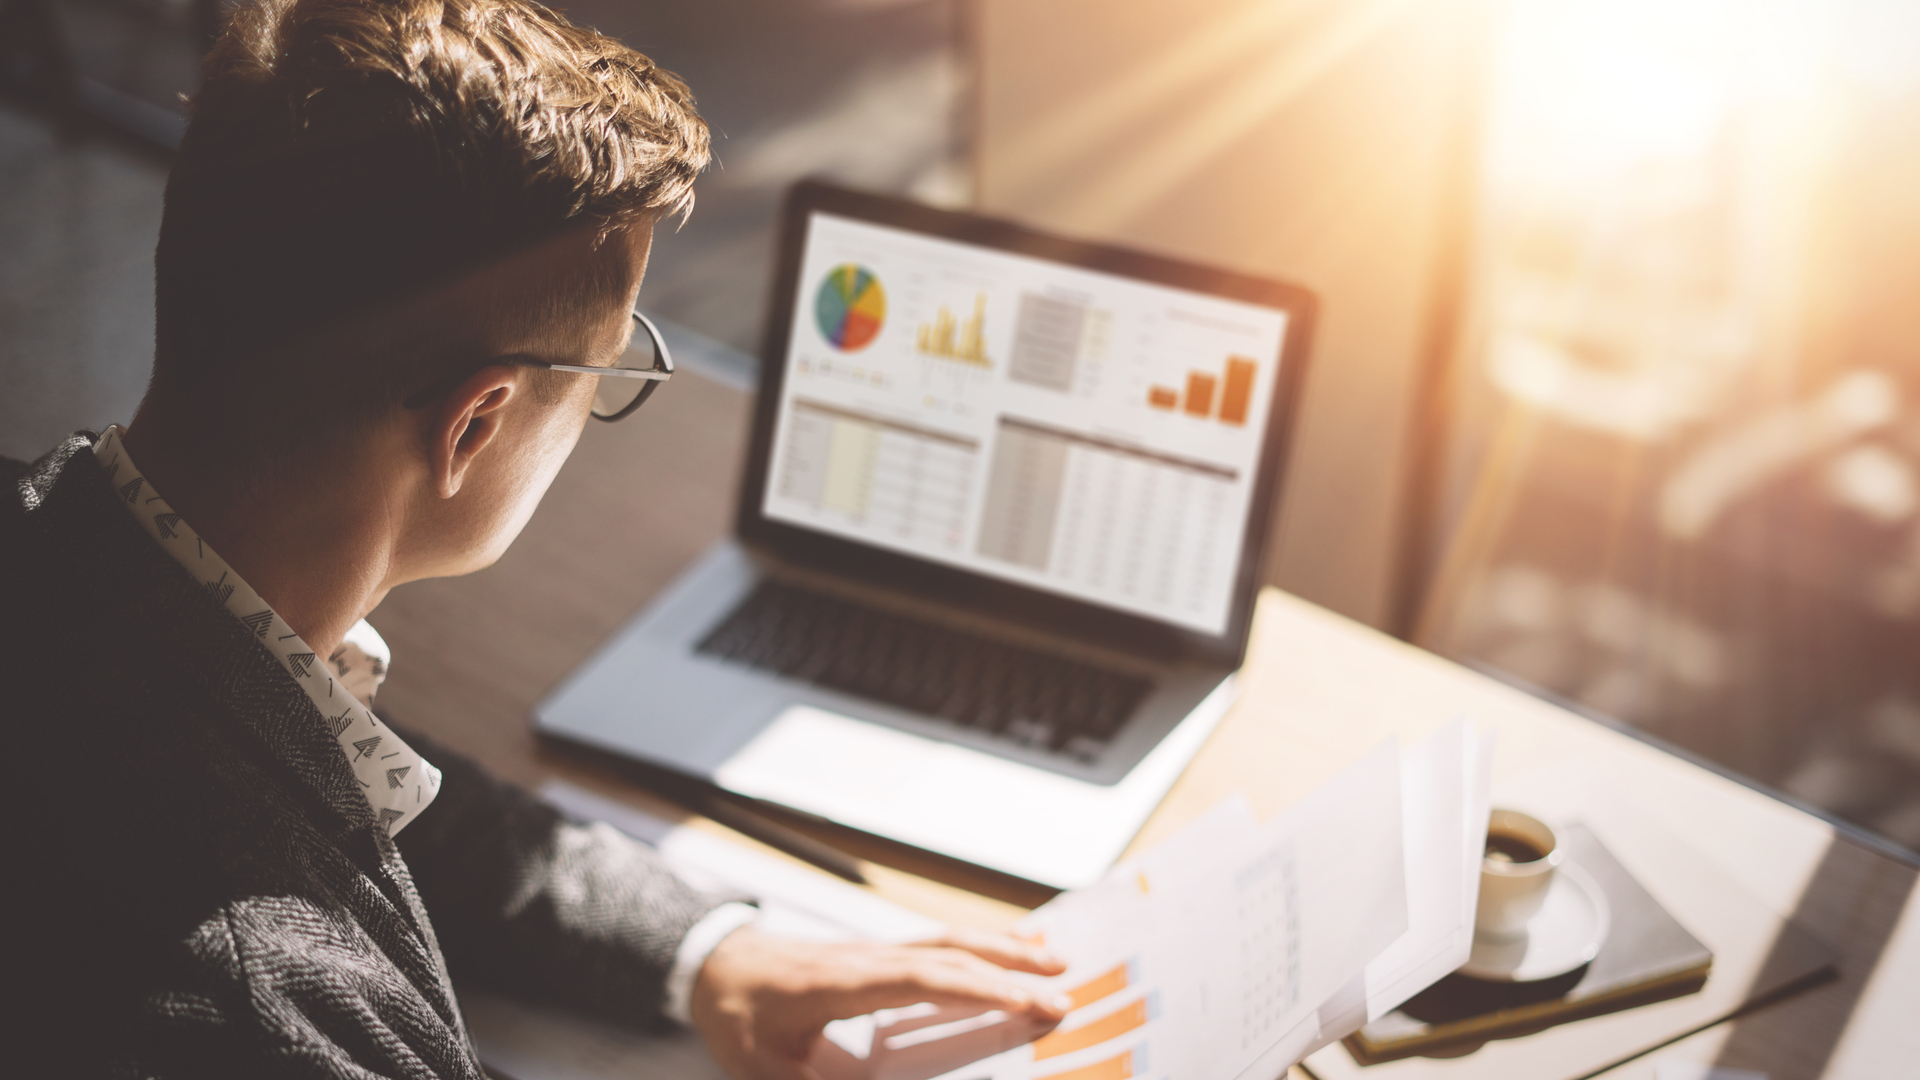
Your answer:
<point x="270" y="981"/>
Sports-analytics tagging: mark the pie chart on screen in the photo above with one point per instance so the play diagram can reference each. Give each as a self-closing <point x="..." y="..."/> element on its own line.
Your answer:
<point x="850" y="307"/>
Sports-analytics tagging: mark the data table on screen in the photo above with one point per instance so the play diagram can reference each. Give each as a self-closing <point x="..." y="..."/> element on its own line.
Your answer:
<point x="895" y="479"/>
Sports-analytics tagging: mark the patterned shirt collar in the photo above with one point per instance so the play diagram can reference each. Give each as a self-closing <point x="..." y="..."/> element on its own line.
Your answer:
<point x="397" y="782"/>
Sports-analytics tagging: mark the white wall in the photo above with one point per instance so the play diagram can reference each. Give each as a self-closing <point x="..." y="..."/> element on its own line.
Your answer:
<point x="1302" y="139"/>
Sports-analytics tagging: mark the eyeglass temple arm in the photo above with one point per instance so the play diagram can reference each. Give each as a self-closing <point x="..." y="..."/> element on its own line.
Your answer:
<point x="618" y="372"/>
<point x="662" y="358"/>
<point x="661" y="371"/>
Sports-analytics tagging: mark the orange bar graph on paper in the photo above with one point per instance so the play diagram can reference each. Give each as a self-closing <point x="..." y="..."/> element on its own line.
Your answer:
<point x="1238" y="392"/>
<point x="1111" y="1026"/>
<point x="1199" y="393"/>
<point x="1163" y="397"/>
<point x="1100" y="986"/>
<point x="1114" y="1068"/>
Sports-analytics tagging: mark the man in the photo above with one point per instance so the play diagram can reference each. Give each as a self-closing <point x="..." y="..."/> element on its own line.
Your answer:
<point x="387" y="218"/>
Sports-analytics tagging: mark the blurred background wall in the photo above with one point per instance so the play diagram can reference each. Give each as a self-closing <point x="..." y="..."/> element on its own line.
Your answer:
<point x="1614" y="392"/>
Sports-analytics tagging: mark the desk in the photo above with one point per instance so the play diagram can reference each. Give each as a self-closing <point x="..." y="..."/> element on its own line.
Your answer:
<point x="640" y="500"/>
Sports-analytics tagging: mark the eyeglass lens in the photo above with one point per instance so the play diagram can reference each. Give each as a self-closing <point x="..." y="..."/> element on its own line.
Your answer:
<point x="613" y="395"/>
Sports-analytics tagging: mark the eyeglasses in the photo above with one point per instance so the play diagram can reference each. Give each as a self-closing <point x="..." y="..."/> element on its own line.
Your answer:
<point x="622" y="388"/>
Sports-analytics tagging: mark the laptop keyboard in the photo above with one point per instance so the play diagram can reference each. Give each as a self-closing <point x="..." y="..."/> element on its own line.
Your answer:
<point x="1036" y="697"/>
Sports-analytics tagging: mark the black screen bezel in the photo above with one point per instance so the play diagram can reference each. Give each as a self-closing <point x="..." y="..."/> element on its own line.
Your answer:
<point x="970" y="589"/>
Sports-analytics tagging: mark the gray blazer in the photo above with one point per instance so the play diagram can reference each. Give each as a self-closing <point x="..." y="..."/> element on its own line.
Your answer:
<point x="196" y="886"/>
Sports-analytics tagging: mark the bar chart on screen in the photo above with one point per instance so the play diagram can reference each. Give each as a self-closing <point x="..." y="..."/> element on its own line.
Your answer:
<point x="1224" y="397"/>
<point x="962" y="343"/>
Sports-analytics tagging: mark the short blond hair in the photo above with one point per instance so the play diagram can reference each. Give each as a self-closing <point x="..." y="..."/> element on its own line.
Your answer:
<point x="342" y="154"/>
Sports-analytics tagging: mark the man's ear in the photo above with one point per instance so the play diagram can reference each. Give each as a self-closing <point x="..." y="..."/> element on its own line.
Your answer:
<point x="465" y="424"/>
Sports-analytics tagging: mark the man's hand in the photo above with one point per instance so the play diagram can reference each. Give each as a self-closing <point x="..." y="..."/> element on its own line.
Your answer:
<point x="760" y="1001"/>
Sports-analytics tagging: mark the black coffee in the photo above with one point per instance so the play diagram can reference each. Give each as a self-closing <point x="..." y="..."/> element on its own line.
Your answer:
<point x="1507" y="847"/>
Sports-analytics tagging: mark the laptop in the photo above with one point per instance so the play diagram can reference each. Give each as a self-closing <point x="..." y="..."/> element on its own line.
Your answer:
<point x="998" y="543"/>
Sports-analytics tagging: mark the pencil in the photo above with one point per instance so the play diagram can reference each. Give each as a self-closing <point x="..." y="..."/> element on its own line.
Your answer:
<point x="746" y="822"/>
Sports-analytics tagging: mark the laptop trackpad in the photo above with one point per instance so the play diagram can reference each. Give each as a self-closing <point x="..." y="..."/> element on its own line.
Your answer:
<point x="811" y="759"/>
<point x="973" y="806"/>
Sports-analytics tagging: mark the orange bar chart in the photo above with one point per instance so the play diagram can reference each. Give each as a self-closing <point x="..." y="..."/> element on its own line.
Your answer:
<point x="1200" y="393"/>
<point x="1100" y="986"/>
<point x="1239" y="391"/>
<point x="1234" y="393"/>
<point x="1114" y="1068"/>
<point x="1111" y="1026"/>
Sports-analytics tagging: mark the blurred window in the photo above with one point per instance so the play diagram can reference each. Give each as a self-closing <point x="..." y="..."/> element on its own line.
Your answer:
<point x="1683" y="479"/>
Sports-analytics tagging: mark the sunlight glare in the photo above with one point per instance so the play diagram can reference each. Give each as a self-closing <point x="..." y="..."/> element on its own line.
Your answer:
<point x="1586" y="84"/>
<point x="1645" y="163"/>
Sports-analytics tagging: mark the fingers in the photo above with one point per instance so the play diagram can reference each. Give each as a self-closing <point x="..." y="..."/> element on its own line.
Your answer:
<point x="942" y="975"/>
<point x="1003" y="949"/>
<point x="760" y="1001"/>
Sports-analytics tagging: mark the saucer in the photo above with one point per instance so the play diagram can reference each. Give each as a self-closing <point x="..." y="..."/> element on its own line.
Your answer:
<point x="1567" y="933"/>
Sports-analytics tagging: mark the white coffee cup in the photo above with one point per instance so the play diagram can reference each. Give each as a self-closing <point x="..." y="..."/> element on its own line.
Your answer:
<point x="1515" y="873"/>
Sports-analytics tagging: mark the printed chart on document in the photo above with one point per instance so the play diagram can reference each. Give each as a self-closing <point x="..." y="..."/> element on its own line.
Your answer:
<point x="1064" y="429"/>
<point x="1231" y="950"/>
<point x="1143" y="1014"/>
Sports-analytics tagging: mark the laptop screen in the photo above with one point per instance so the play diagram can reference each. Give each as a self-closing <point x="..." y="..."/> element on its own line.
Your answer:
<point x="1073" y="431"/>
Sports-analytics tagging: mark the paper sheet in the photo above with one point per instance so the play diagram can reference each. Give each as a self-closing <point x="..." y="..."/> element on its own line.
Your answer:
<point x="1445" y="822"/>
<point x="1233" y="950"/>
<point x="1445" y="784"/>
<point x="1216" y="950"/>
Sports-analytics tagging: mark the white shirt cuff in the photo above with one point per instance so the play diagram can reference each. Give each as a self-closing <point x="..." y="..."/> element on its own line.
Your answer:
<point x="706" y="935"/>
